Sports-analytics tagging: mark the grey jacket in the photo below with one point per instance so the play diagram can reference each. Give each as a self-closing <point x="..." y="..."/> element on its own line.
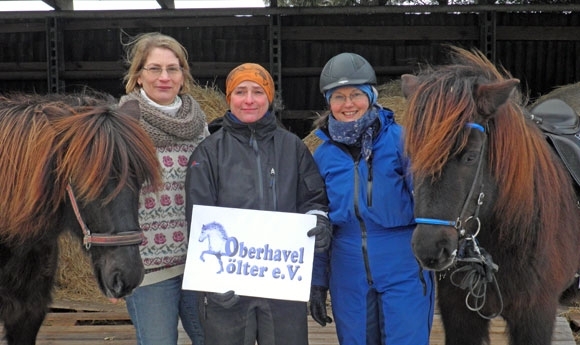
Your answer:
<point x="258" y="166"/>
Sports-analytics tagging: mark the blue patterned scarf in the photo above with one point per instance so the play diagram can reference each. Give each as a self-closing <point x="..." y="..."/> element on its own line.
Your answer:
<point x="355" y="133"/>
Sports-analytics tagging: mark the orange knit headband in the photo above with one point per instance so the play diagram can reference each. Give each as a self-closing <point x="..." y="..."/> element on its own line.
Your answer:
<point x="250" y="72"/>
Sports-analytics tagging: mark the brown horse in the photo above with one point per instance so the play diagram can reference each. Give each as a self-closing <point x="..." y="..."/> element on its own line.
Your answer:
<point x="67" y="162"/>
<point x="496" y="210"/>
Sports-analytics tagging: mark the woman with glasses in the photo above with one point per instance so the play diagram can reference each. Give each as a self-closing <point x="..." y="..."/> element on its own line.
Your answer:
<point x="159" y="80"/>
<point x="379" y="294"/>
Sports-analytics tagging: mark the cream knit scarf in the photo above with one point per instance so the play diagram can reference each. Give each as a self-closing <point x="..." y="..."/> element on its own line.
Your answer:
<point x="164" y="129"/>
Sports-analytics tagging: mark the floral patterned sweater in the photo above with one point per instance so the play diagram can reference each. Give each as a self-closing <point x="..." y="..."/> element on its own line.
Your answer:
<point x="175" y="130"/>
<point x="162" y="217"/>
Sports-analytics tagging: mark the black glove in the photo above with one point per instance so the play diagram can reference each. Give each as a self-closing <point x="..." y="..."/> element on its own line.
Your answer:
<point x="227" y="299"/>
<point x="323" y="233"/>
<point x="318" y="305"/>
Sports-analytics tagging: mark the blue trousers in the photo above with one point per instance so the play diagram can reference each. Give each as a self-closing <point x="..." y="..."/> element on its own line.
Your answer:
<point x="155" y="311"/>
<point x="395" y="307"/>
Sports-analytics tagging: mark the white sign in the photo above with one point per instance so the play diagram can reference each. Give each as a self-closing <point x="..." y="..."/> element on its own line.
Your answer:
<point x="254" y="253"/>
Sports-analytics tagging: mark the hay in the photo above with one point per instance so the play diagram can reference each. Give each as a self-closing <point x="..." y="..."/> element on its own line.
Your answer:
<point x="211" y="100"/>
<point x="74" y="278"/>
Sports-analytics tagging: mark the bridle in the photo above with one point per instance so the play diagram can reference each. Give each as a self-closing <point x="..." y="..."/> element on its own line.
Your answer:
<point x="479" y="268"/>
<point x="124" y="238"/>
<point x="462" y="219"/>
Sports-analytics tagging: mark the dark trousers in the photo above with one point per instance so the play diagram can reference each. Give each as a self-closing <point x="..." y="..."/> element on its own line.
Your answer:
<point x="267" y="321"/>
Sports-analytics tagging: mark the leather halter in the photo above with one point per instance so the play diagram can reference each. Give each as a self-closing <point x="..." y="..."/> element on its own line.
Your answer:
<point x="459" y="223"/>
<point x="125" y="238"/>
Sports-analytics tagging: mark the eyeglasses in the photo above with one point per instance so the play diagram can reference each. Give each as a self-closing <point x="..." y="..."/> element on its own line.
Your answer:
<point x="171" y="70"/>
<point x="338" y="99"/>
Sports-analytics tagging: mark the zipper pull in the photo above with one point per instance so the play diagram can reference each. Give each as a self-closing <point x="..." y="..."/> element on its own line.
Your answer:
<point x="272" y="177"/>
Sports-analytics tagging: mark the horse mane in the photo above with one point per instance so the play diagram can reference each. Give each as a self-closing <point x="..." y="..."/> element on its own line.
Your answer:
<point x="50" y="141"/>
<point x="215" y="226"/>
<point x="530" y="184"/>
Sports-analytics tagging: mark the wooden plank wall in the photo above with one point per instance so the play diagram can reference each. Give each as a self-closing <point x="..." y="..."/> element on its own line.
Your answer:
<point x="542" y="49"/>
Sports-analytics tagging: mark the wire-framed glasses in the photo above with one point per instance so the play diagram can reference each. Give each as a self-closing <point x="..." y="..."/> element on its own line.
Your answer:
<point x="157" y="70"/>
<point x="339" y="99"/>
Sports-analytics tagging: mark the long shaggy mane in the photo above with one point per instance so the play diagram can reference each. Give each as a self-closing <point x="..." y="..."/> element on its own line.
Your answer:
<point x="54" y="140"/>
<point x="531" y="185"/>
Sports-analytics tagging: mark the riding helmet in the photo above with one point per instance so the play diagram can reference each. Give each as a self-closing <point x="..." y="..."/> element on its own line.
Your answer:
<point x="346" y="69"/>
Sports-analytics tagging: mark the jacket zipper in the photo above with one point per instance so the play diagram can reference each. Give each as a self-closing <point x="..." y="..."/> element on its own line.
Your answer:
<point x="254" y="145"/>
<point x="273" y="187"/>
<point x="370" y="182"/>
<point x="362" y="225"/>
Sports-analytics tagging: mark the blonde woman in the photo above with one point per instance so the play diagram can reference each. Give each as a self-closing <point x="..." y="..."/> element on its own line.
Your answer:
<point x="159" y="79"/>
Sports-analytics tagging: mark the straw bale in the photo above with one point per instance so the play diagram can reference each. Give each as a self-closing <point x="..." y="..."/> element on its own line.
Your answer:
<point x="74" y="279"/>
<point x="211" y="100"/>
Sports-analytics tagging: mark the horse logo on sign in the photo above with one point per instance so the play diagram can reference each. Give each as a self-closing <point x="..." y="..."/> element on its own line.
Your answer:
<point x="217" y="239"/>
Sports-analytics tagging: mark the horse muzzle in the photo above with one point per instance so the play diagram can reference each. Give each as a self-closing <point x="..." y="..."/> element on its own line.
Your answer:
<point x="435" y="247"/>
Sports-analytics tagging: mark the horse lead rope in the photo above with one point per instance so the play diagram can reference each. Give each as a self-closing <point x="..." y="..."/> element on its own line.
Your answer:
<point x="120" y="239"/>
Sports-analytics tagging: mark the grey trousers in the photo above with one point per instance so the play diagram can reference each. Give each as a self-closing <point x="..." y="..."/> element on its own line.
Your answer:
<point x="267" y="321"/>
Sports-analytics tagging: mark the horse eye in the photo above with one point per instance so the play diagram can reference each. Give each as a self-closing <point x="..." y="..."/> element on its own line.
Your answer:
<point x="470" y="157"/>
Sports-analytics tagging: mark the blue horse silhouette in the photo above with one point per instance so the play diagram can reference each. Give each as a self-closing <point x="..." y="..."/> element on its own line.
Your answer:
<point x="217" y="239"/>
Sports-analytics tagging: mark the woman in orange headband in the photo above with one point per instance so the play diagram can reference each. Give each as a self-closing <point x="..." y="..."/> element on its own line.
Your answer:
<point x="240" y="166"/>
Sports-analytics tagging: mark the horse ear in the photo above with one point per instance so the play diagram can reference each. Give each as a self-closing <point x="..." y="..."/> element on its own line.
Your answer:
<point x="131" y="108"/>
<point x="490" y="97"/>
<point x="409" y="84"/>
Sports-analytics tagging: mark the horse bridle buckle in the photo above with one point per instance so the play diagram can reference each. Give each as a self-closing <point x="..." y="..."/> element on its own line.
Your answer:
<point x="125" y="238"/>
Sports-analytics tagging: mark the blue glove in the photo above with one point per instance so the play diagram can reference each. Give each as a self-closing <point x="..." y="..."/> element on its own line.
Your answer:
<point x="318" y="305"/>
<point x="226" y="300"/>
<point x="323" y="233"/>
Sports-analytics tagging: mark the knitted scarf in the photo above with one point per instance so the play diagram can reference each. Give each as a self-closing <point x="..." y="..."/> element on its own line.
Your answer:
<point x="356" y="133"/>
<point x="164" y="129"/>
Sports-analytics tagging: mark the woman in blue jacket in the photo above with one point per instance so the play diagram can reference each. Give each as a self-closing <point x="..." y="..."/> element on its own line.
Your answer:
<point x="379" y="294"/>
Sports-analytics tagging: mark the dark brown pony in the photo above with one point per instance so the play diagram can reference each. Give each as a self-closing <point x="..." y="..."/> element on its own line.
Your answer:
<point x="496" y="210"/>
<point x="67" y="162"/>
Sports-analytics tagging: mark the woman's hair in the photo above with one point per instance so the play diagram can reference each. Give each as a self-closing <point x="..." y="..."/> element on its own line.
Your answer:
<point x="139" y="48"/>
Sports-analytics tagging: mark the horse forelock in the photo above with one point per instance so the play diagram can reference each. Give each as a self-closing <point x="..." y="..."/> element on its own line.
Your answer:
<point x="51" y="141"/>
<point x="113" y="145"/>
<point x="436" y="116"/>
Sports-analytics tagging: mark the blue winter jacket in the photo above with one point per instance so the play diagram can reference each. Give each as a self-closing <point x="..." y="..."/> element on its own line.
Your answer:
<point x="365" y="198"/>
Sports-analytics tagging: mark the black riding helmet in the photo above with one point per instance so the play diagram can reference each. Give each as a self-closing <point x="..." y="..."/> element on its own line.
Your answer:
<point x="346" y="69"/>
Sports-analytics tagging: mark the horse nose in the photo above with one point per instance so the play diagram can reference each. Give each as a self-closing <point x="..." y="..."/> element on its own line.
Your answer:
<point x="435" y="250"/>
<point x="121" y="284"/>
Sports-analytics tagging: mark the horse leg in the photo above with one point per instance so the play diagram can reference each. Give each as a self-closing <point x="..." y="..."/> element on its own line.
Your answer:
<point x="462" y="326"/>
<point x="23" y="330"/>
<point x="219" y="257"/>
<point x="532" y="327"/>
<point x="28" y="294"/>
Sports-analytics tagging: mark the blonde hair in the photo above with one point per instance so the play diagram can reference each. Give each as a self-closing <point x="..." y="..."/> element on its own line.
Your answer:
<point x="139" y="48"/>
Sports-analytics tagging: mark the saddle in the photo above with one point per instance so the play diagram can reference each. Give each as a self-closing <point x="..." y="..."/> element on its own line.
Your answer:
<point x="561" y="126"/>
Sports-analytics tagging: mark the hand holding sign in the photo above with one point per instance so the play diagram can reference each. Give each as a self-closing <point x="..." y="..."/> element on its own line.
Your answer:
<point x="254" y="253"/>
